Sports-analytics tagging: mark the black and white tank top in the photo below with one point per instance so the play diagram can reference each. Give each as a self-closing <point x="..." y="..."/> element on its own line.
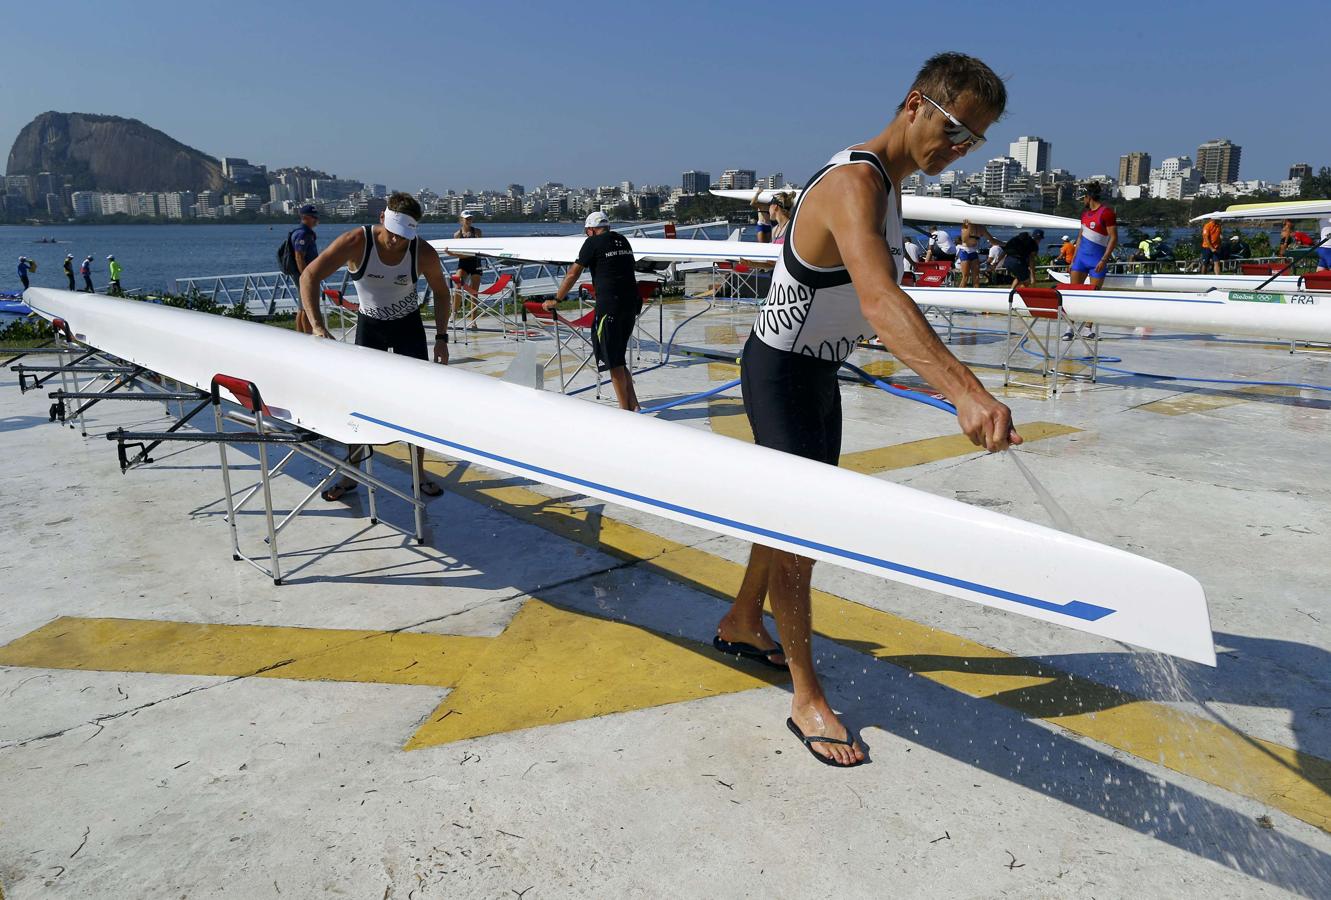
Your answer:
<point x="815" y="311"/>
<point x="386" y="292"/>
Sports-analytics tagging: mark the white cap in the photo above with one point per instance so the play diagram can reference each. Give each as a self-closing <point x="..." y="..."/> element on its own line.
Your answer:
<point x="466" y="214"/>
<point x="597" y="219"/>
<point x="1066" y="238"/>
<point x="69" y="256"/>
<point x="111" y="256"/>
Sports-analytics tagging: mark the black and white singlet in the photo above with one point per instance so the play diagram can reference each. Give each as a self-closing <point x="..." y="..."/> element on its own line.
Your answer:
<point x="814" y="311"/>
<point x="386" y="292"/>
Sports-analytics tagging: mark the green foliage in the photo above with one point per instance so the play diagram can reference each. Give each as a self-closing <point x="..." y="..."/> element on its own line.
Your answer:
<point x="1318" y="187"/>
<point x="33" y="329"/>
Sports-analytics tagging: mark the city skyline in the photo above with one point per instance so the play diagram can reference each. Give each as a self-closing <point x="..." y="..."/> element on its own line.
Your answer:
<point x="519" y="109"/>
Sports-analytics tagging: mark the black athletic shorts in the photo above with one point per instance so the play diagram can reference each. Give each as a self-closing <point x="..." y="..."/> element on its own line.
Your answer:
<point x="793" y="402"/>
<point x="404" y="336"/>
<point x="610" y="335"/>
<point x="469" y="265"/>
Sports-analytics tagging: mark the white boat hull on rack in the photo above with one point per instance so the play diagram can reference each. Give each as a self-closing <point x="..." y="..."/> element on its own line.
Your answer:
<point x="1211" y="313"/>
<point x="358" y="395"/>
<point x="942" y="211"/>
<point x="1171" y="281"/>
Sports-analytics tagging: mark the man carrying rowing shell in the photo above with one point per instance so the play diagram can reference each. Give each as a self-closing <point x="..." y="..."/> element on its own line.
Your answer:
<point x="836" y="284"/>
<point x="384" y="262"/>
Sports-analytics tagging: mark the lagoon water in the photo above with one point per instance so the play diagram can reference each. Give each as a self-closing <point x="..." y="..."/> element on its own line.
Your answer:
<point x="155" y="255"/>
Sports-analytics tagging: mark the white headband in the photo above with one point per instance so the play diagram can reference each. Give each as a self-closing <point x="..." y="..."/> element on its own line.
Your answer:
<point x="400" y="224"/>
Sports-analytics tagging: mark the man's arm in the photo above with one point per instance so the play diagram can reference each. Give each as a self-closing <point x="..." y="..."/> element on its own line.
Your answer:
<point x="570" y="278"/>
<point x="853" y="223"/>
<point x="347" y="248"/>
<point x="1109" y="248"/>
<point x="427" y="260"/>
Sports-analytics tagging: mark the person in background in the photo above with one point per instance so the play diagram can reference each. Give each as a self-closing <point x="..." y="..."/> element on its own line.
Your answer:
<point x="764" y="227"/>
<point x="968" y="252"/>
<point x="779" y="212"/>
<point x="1020" y="255"/>
<point x="941" y="248"/>
<point x="304" y="248"/>
<point x="1286" y="236"/>
<point x="1211" y="246"/>
<point x="1238" y="247"/>
<point x="25" y="265"/>
<point x="1160" y="251"/>
<point x="69" y="269"/>
<point x="914" y="253"/>
<point x="1097" y="240"/>
<point x="116" y="269"/>
<point x="609" y="257"/>
<point x="1144" y="249"/>
<point x="85" y="269"/>
<point x="469" y="267"/>
<point x="1068" y="251"/>
<point x="995" y="259"/>
<point x="1324" y="248"/>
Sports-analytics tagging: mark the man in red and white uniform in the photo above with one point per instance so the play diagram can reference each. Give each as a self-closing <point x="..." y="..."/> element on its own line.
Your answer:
<point x="1098" y="238"/>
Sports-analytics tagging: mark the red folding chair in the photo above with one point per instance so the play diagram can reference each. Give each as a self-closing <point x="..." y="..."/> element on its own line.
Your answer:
<point x="573" y="335"/>
<point x="1031" y="307"/>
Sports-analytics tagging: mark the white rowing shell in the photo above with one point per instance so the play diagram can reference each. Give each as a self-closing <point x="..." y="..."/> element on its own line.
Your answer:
<point x="943" y="211"/>
<point x="1169" y="281"/>
<point x="1291" y="317"/>
<point x="358" y="395"/>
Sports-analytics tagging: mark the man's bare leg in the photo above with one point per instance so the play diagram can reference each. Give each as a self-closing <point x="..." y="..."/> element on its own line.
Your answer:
<point x="743" y="623"/>
<point x="788" y="588"/>
<point x="303" y="325"/>
<point x="622" y="380"/>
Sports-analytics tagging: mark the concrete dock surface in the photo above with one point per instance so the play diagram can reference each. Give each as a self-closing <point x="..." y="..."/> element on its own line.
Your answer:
<point x="528" y="704"/>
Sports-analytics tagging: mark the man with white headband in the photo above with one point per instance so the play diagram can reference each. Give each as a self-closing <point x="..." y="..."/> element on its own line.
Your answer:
<point x="384" y="262"/>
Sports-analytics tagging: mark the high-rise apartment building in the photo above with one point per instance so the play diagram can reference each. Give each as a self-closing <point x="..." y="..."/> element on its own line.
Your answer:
<point x="696" y="182"/>
<point x="1031" y="153"/>
<point x="1134" y="168"/>
<point x="1218" y="161"/>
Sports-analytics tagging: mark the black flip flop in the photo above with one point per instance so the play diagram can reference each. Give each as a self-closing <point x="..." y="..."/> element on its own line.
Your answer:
<point x="827" y="761"/>
<point x="431" y="488"/>
<point x="749" y="651"/>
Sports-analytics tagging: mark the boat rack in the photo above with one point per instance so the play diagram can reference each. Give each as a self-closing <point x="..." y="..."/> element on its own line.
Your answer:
<point x="109" y="377"/>
<point x="263" y="430"/>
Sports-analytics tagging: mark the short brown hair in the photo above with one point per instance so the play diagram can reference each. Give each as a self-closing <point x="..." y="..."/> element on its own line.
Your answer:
<point x="945" y="77"/>
<point x="401" y="201"/>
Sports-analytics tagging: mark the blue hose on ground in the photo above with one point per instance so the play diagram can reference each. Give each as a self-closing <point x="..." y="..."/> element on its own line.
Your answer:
<point x="689" y="399"/>
<point x="917" y="396"/>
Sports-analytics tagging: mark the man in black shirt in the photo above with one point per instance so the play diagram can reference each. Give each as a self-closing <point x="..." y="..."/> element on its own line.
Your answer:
<point x="609" y="257"/>
<point x="1021" y="253"/>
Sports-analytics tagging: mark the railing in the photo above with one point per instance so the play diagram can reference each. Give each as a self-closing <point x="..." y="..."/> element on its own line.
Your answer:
<point x="261" y="293"/>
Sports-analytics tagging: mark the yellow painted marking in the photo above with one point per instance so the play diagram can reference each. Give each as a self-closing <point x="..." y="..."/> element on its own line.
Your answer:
<point x="727" y="417"/>
<point x="538" y="672"/>
<point x="1294" y="782"/>
<point x="717" y="371"/>
<point x="1199" y="402"/>
<point x="1024" y="391"/>
<point x="882" y="368"/>
<point x="915" y="453"/>
<point x="1189" y="403"/>
<point x="721" y="334"/>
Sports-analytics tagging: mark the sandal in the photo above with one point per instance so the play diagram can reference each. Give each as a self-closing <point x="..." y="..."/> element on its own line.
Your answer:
<point x="338" y="491"/>
<point x="814" y="739"/>
<point x="431" y="488"/>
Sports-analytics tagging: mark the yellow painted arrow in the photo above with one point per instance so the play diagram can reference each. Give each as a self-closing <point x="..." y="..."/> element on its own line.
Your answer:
<point x="550" y="665"/>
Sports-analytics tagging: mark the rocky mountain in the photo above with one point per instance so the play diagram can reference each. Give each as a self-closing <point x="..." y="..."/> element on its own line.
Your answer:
<point x="108" y="153"/>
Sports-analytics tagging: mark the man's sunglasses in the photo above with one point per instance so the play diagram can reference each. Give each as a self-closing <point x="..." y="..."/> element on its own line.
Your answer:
<point x="957" y="132"/>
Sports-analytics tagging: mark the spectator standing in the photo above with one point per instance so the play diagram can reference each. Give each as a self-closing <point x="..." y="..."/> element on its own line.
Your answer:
<point x="1211" y="246"/>
<point x="116" y="269"/>
<point x="85" y="269"/>
<point x="69" y="269"/>
<point x="304" y="248"/>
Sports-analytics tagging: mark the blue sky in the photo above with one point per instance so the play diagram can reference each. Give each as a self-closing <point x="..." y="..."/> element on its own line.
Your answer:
<point x="483" y="93"/>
